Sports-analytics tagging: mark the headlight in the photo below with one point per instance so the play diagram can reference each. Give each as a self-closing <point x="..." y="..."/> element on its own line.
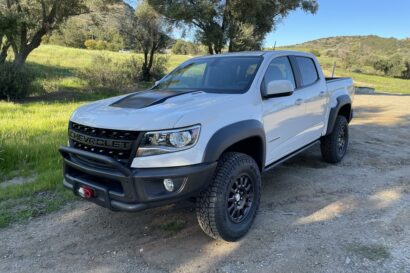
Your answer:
<point x="169" y="141"/>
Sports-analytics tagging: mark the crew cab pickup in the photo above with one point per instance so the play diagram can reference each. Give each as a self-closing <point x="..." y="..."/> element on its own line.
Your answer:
<point x="206" y="132"/>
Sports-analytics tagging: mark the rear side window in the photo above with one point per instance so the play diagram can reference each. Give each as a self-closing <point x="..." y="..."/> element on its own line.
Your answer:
<point x="308" y="70"/>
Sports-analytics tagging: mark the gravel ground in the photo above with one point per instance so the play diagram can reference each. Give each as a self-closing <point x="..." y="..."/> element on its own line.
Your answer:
<point x="314" y="217"/>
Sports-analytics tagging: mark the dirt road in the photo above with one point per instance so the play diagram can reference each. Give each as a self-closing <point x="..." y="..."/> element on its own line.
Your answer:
<point x="314" y="217"/>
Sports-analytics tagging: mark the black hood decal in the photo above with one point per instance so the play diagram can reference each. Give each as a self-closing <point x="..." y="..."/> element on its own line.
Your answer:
<point x="147" y="98"/>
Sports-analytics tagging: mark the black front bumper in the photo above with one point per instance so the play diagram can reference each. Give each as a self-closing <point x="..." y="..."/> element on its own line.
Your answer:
<point x="118" y="187"/>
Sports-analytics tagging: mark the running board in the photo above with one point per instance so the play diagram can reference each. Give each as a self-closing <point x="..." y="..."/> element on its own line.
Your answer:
<point x="283" y="159"/>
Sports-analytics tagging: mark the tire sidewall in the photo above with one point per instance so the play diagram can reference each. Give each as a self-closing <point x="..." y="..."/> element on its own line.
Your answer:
<point x="228" y="229"/>
<point x="341" y="123"/>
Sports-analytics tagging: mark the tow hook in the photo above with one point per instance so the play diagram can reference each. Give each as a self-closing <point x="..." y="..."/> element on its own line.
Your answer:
<point x="86" y="192"/>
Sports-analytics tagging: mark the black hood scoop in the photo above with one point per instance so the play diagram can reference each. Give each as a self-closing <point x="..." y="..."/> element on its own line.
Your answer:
<point x="147" y="98"/>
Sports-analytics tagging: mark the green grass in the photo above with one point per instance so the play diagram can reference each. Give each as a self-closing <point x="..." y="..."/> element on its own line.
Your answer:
<point x="30" y="135"/>
<point x="173" y="226"/>
<point x="58" y="66"/>
<point x="381" y="84"/>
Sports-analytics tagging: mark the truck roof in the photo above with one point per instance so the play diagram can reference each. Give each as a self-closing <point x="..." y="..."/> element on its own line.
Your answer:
<point x="258" y="53"/>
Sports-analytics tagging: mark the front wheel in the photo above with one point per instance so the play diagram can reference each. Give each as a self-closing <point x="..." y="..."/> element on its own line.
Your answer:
<point x="226" y="210"/>
<point x="334" y="146"/>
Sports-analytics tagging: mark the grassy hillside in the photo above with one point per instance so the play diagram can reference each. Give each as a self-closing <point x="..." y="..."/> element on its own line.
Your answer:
<point x="59" y="66"/>
<point x="354" y="56"/>
<point x="368" y="45"/>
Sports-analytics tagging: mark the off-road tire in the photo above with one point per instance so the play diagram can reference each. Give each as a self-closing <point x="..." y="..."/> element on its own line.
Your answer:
<point x="332" y="151"/>
<point x="212" y="210"/>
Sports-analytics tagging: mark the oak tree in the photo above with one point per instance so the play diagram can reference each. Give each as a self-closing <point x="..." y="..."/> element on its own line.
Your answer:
<point x="23" y="23"/>
<point x="238" y="24"/>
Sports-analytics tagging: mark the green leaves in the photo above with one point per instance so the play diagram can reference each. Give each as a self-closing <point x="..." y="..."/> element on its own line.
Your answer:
<point x="242" y="24"/>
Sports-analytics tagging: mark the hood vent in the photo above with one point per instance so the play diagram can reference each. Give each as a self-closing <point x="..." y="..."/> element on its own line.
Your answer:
<point x="147" y="98"/>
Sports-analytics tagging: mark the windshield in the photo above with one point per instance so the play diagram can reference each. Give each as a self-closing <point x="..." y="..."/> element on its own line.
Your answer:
<point x="230" y="74"/>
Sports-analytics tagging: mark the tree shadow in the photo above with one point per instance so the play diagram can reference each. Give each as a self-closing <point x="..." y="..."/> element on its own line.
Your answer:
<point x="42" y="71"/>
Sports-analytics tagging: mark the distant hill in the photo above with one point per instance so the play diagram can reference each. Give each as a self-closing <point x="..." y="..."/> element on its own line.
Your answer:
<point x="359" y="53"/>
<point x="367" y="45"/>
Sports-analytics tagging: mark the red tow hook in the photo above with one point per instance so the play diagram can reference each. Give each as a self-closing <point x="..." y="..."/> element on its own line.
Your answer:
<point x="86" y="192"/>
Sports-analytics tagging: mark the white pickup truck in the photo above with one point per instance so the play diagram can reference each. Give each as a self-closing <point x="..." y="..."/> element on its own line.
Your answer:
<point x="205" y="132"/>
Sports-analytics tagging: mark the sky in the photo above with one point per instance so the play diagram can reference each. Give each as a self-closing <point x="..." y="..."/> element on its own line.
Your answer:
<point x="385" y="18"/>
<point x="348" y="17"/>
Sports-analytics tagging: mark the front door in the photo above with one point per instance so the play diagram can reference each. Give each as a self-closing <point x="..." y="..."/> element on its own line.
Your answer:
<point x="284" y="117"/>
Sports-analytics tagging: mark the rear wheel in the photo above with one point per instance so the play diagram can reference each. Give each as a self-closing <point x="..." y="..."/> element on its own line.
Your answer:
<point x="226" y="210"/>
<point x="334" y="146"/>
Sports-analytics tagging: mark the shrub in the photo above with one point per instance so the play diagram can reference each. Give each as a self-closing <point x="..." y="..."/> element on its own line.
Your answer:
<point x="406" y="73"/>
<point x="106" y="73"/>
<point x="132" y="69"/>
<point x="159" y="67"/>
<point x="315" y="52"/>
<point x="357" y="70"/>
<point x="101" y="45"/>
<point x="182" y="47"/>
<point x="383" y="65"/>
<point x="330" y="53"/>
<point x="90" y="44"/>
<point x="14" y="83"/>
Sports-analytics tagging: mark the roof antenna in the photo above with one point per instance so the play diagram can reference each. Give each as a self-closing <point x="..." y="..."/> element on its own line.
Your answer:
<point x="333" y="70"/>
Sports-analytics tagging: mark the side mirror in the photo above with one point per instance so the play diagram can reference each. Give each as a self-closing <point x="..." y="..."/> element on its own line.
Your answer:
<point x="156" y="83"/>
<point x="278" y="89"/>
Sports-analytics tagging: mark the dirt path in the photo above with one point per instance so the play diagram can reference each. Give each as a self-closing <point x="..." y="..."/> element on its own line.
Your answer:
<point x="314" y="217"/>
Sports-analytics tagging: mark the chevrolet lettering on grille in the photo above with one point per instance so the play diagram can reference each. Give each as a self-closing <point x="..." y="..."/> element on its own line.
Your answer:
<point x="99" y="142"/>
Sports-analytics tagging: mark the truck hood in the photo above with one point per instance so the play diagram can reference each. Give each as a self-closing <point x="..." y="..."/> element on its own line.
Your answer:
<point x="147" y="110"/>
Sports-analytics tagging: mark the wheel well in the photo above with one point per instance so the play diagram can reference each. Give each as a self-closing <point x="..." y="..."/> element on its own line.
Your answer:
<point x="252" y="146"/>
<point x="346" y="111"/>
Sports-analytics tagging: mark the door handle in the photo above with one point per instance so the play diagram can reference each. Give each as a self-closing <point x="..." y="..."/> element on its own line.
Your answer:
<point x="322" y="94"/>
<point x="299" y="101"/>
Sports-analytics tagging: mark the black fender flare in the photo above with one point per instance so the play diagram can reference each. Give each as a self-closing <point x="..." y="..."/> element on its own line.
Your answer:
<point x="341" y="101"/>
<point x="231" y="134"/>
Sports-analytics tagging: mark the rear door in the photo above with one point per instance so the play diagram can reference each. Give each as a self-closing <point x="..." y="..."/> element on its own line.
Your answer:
<point x="283" y="116"/>
<point x="313" y="87"/>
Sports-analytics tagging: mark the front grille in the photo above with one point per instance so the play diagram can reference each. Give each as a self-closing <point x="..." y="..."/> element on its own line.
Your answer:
<point x="99" y="137"/>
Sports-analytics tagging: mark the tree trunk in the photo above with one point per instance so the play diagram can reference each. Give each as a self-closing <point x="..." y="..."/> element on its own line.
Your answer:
<point x="3" y="54"/>
<point x="145" y="70"/>
<point x="151" y="59"/>
<point x="210" y="49"/>
<point x="230" y="47"/>
<point x="20" y="59"/>
<point x="25" y="49"/>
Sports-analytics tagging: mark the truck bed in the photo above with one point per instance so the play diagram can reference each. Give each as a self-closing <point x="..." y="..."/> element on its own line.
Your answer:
<point x="338" y="84"/>
<point x="330" y="79"/>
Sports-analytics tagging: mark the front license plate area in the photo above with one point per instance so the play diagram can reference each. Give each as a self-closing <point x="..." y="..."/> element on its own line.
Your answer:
<point x="93" y="193"/>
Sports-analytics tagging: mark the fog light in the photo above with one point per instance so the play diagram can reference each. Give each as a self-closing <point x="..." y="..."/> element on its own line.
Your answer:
<point x="169" y="184"/>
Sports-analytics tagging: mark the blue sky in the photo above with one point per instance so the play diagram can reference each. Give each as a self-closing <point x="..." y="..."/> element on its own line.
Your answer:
<point x="348" y="17"/>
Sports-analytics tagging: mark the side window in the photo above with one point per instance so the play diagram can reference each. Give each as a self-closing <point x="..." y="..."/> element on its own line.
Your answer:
<point x="307" y="70"/>
<point x="279" y="69"/>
